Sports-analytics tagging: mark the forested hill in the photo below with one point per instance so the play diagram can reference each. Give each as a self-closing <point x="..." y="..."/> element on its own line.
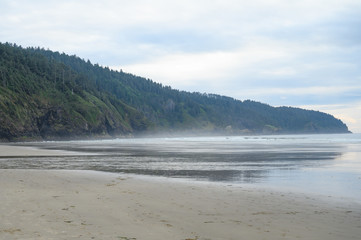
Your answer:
<point x="48" y="95"/>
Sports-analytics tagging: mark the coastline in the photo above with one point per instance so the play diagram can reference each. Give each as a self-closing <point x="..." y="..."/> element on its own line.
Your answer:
<point x="62" y="204"/>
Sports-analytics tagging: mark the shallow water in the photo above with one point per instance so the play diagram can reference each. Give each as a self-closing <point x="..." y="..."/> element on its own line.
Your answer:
<point x="324" y="164"/>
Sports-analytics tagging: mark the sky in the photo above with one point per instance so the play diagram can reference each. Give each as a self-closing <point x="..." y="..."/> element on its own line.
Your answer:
<point x="280" y="52"/>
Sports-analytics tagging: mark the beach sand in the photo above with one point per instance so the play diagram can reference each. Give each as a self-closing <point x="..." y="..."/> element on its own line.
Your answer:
<point x="26" y="151"/>
<point x="47" y="204"/>
<point x="59" y="204"/>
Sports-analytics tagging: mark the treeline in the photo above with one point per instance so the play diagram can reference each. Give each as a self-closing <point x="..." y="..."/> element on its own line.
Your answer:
<point x="46" y="99"/>
<point x="101" y="101"/>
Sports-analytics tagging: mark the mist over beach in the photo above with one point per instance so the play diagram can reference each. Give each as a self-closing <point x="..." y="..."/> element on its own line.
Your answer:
<point x="180" y="120"/>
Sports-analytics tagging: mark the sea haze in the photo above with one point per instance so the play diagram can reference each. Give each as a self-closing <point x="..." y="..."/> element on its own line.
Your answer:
<point x="329" y="165"/>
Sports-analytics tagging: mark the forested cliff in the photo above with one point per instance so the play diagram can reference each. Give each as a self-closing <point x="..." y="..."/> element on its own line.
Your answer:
<point x="48" y="95"/>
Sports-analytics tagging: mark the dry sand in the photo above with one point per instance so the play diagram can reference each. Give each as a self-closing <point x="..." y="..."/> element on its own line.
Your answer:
<point x="40" y="204"/>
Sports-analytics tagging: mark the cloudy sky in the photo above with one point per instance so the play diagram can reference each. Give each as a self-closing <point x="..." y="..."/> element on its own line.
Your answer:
<point x="281" y="52"/>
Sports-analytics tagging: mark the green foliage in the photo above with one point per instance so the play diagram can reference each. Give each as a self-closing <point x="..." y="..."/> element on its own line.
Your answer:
<point x="49" y="95"/>
<point x="43" y="98"/>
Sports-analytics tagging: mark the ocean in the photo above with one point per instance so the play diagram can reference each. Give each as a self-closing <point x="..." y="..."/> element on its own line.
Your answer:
<point x="329" y="165"/>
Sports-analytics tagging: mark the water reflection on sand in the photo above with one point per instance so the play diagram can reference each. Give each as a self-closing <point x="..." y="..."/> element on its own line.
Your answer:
<point x="312" y="162"/>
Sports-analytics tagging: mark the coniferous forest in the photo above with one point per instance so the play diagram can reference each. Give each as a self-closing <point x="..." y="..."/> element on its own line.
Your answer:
<point x="50" y="95"/>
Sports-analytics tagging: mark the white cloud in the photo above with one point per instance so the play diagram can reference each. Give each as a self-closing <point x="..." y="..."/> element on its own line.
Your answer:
<point x="278" y="51"/>
<point x="282" y="71"/>
<point x="314" y="90"/>
<point x="261" y="67"/>
<point x="183" y="70"/>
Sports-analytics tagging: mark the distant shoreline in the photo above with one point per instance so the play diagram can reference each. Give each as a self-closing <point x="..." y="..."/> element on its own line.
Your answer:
<point x="158" y="135"/>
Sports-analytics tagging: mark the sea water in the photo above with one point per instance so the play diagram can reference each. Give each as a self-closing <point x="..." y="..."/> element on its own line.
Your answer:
<point x="324" y="164"/>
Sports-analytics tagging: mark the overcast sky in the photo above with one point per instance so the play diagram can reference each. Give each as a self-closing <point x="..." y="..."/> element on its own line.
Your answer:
<point x="302" y="53"/>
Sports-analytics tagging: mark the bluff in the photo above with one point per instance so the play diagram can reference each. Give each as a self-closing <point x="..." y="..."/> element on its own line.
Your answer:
<point x="51" y="95"/>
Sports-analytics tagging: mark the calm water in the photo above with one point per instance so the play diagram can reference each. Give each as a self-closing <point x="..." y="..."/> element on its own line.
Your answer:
<point x="324" y="164"/>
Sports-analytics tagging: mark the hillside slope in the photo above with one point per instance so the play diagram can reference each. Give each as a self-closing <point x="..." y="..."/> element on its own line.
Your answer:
<point x="42" y="99"/>
<point x="48" y="95"/>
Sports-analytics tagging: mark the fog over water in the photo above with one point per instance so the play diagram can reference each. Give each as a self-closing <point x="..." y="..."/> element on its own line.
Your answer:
<point x="323" y="164"/>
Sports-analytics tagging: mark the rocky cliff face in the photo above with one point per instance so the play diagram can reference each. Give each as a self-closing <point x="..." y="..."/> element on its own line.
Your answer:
<point x="34" y="121"/>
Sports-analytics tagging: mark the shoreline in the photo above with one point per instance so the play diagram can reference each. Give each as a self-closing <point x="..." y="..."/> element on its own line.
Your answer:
<point x="26" y="150"/>
<point x="65" y="204"/>
<point x="173" y="136"/>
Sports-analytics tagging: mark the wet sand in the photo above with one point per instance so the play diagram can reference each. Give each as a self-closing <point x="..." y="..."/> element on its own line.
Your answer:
<point x="46" y="204"/>
<point x="26" y="151"/>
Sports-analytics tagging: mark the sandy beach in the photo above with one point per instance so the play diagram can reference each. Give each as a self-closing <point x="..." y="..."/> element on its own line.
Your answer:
<point x="63" y="204"/>
<point x="40" y="204"/>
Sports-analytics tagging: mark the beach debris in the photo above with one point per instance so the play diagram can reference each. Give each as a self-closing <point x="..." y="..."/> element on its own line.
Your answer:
<point x="11" y="230"/>
<point x="127" y="238"/>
